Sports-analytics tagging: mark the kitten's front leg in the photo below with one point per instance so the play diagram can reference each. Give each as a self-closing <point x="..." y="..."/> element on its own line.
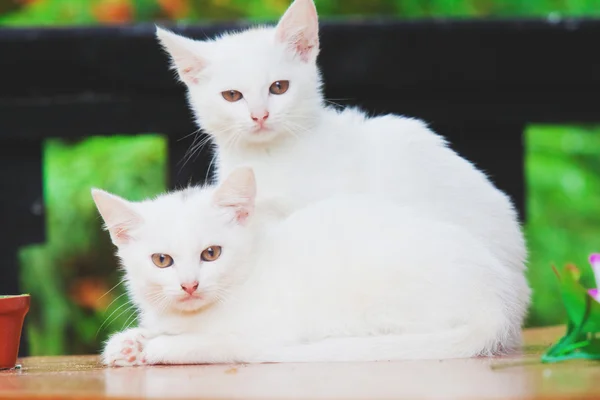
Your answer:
<point x="197" y="349"/>
<point x="127" y="348"/>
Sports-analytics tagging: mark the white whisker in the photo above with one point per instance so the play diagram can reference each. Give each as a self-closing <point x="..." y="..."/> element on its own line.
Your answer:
<point x="112" y="302"/>
<point x="129" y="303"/>
<point x="134" y="313"/>
<point x="111" y="289"/>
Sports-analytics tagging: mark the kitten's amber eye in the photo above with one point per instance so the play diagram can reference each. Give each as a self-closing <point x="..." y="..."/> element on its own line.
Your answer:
<point x="162" y="260"/>
<point x="232" y="95"/>
<point x="279" y="87"/>
<point x="211" y="253"/>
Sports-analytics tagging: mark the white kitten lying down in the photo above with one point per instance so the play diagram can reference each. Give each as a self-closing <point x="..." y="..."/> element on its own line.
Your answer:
<point x="351" y="278"/>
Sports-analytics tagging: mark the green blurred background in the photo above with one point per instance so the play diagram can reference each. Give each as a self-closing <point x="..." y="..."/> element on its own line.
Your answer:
<point x="74" y="278"/>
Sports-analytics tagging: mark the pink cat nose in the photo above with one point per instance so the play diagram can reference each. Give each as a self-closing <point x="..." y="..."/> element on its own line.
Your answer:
<point x="189" y="288"/>
<point x="260" y="120"/>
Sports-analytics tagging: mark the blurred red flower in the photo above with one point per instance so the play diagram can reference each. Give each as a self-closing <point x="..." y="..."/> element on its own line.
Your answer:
<point x="91" y="292"/>
<point x="175" y="9"/>
<point x="114" y="11"/>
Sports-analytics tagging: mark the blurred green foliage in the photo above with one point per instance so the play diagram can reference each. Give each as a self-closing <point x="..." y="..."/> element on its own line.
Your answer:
<point x="71" y="275"/>
<point x="562" y="169"/>
<point x="88" y="12"/>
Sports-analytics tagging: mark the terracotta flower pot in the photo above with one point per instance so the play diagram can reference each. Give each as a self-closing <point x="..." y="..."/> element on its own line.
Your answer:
<point x="12" y="313"/>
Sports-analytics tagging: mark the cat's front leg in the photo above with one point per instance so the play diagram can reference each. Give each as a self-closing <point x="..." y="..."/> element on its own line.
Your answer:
<point x="126" y="349"/>
<point x="197" y="349"/>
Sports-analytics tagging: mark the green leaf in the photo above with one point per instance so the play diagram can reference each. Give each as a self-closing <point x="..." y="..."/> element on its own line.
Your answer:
<point x="584" y="320"/>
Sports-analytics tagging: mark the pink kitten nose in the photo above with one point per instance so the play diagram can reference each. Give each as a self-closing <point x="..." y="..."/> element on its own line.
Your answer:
<point x="261" y="120"/>
<point x="189" y="288"/>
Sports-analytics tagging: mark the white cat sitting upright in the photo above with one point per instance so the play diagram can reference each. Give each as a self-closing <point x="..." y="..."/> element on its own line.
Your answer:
<point x="350" y="278"/>
<point x="257" y="93"/>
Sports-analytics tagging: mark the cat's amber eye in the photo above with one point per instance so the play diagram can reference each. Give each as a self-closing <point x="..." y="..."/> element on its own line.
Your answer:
<point x="232" y="95"/>
<point x="162" y="260"/>
<point x="279" y="87"/>
<point x="211" y="253"/>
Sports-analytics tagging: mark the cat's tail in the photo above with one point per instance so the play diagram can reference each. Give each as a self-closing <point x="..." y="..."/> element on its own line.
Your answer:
<point x="461" y="342"/>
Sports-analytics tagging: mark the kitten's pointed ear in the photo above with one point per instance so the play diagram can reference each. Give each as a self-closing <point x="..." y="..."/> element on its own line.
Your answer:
<point x="299" y="29"/>
<point x="237" y="193"/>
<point x="118" y="214"/>
<point x="184" y="55"/>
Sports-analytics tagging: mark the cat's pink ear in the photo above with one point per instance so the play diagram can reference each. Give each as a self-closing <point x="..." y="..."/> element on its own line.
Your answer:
<point x="299" y="29"/>
<point x="237" y="193"/>
<point x="184" y="54"/>
<point x="118" y="214"/>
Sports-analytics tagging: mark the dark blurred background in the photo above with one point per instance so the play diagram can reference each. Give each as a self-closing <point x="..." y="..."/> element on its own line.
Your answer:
<point x="73" y="277"/>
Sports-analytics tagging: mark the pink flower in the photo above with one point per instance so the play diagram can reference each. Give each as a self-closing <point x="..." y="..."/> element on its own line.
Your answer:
<point x="595" y="263"/>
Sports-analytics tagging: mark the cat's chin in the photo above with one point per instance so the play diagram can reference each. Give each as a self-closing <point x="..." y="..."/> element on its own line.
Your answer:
<point x="190" y="304"/>
<point x="262" y="136"/>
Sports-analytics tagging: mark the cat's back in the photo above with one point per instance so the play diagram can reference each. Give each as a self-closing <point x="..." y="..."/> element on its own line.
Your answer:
<point x="358" y="125"/>
<point x="372" y="229"/>
<point x="363" y="254"/>
<point x="414" y="166"/>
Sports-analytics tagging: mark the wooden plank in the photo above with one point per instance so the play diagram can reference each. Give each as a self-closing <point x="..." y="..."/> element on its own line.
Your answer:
<point x="514" y="377"/>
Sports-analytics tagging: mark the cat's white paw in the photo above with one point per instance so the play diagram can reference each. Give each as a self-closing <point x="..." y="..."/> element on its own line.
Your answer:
<point x="126" y="349"/>
<point x="158" y="348"/>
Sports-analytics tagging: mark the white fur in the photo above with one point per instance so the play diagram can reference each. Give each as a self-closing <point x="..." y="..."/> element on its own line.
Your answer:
<point x="350" y="278"/>
<point x="310" y="152"/>
<point x="395" y="246"/>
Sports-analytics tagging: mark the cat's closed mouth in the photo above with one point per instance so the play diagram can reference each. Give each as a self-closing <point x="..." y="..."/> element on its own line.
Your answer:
<point x="261" y="129"/>
<point x="190" y="298"/>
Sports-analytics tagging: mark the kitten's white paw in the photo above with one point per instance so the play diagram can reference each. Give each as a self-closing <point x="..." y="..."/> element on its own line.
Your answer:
<point x="126" y="349"/>
<point x="157" y="349"/>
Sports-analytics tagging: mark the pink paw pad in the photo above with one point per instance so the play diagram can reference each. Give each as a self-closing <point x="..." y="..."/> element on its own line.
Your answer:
<point x="124" y="351"/>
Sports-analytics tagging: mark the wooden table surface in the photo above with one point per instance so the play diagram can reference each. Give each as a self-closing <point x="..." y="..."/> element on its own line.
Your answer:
<point x="515" y="377"/>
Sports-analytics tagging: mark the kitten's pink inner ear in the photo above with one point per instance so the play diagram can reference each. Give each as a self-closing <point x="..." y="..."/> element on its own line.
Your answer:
<point x="120" y="234"/>
<point x="237" y="193"/>
<point x="241" y="215"/>
<point x="118" y="215"/>
<point x="183" y="52"/>
<point x="299" y="29"/>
